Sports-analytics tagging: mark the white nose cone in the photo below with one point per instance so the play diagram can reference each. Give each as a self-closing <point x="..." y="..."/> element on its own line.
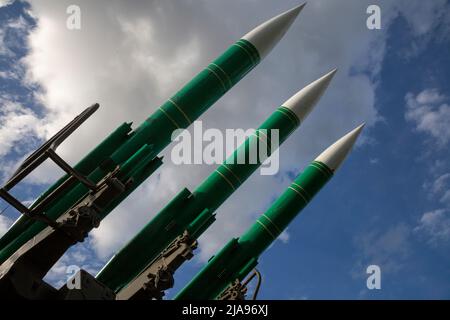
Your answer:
<point x="304" y="101"/>
<point x="336" y="153"/>
<point x="266" y="35"/>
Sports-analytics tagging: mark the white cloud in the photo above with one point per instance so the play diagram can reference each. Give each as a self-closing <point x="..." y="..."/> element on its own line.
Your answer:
<point x="4" y="50"/>
<point x="429" y="96"/>
<point x="388" y="249"/>
<point x="13" y="28"/>
<point x="17" y="124"/>
<point x="435" y="226"/>
<point x="8" y="75"/>
<point x="131" y="58"/>
<point x="428" y="21"/>
<point x="446" y="197"/>
<point x="5" y="223"/>
<point x="18" y="24"/>
<point x="439" y="188"/>
<point x="441" y="184"/>
<point x="78" y="257"/>
<point x="284" y="236"/>
<point x="430" y="114"/>
<point x="4" y="3"/>
<point x="20" y="131"/>
<point x="423" y="16"/>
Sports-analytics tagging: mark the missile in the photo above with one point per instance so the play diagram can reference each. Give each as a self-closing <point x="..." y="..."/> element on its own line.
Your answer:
<point x="154" y="134"/>
<point x="240" y="256"/>
<point x="194" y="212"/>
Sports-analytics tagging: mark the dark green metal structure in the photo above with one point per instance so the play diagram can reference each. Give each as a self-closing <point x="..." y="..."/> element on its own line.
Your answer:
<point x="240" y="256"/>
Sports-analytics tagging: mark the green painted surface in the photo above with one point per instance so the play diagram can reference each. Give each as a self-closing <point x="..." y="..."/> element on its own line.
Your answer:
<point x="133" y="258"/>
<point x="239" y="256"/>
<point x="178" y="112"/>
<point x="280" y="214"/>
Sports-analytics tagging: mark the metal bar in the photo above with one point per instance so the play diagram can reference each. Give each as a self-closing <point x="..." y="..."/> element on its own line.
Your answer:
<point x="258" y="284"/>
<point x="24" y="210"/>
<point x="69" y="182"/>
<point x="30" y="163"/>
<point x="24" y="171"/>
<point x="14" y="202"/>
<point x="72" y="126"/>
<point x="67" y="168"/>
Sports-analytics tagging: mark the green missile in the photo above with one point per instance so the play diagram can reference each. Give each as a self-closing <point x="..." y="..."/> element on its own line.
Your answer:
<point x="194" y="212"/>
<point x="238" y="258"/>
<point x="156" y="131"/>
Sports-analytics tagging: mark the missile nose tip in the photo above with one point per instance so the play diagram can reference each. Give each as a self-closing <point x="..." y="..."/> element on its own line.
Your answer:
<point x="265" y="36"/>
<point x="360" y="127"/>
<point x="354" y="134"/>
<point x="333" y="72"/>
<point x="357" y="131"/>
<point x="324" y="81"/>
<point x="335" y="154"/>
<point x="296" y="10"/>
<point x="304" y="100"/>
<point x="326" y="78"/>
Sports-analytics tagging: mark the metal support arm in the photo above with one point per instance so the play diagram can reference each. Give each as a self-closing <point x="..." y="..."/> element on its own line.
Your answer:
<point x="238" y="290"/>
<point x="158" y="276"/>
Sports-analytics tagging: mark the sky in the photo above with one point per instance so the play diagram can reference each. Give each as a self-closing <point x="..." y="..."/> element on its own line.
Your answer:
<point x="388" y="205"/>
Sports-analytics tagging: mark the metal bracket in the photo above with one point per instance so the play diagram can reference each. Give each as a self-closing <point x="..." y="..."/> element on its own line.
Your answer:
<point x="237" y="290"/>
<point x="158" y="276"/>
<point x="47" y="151"/>
<point x="41" y="252"/>
<point x="84" y="216"/>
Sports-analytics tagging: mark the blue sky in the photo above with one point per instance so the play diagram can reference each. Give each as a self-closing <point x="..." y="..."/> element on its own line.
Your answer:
<point x="388" y="205"/>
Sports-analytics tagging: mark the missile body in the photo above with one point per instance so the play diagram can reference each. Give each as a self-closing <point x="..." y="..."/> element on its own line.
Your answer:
<point x="194" y="212"/>
<point x="237" y="259"/>
<point x="155" y="133"/>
